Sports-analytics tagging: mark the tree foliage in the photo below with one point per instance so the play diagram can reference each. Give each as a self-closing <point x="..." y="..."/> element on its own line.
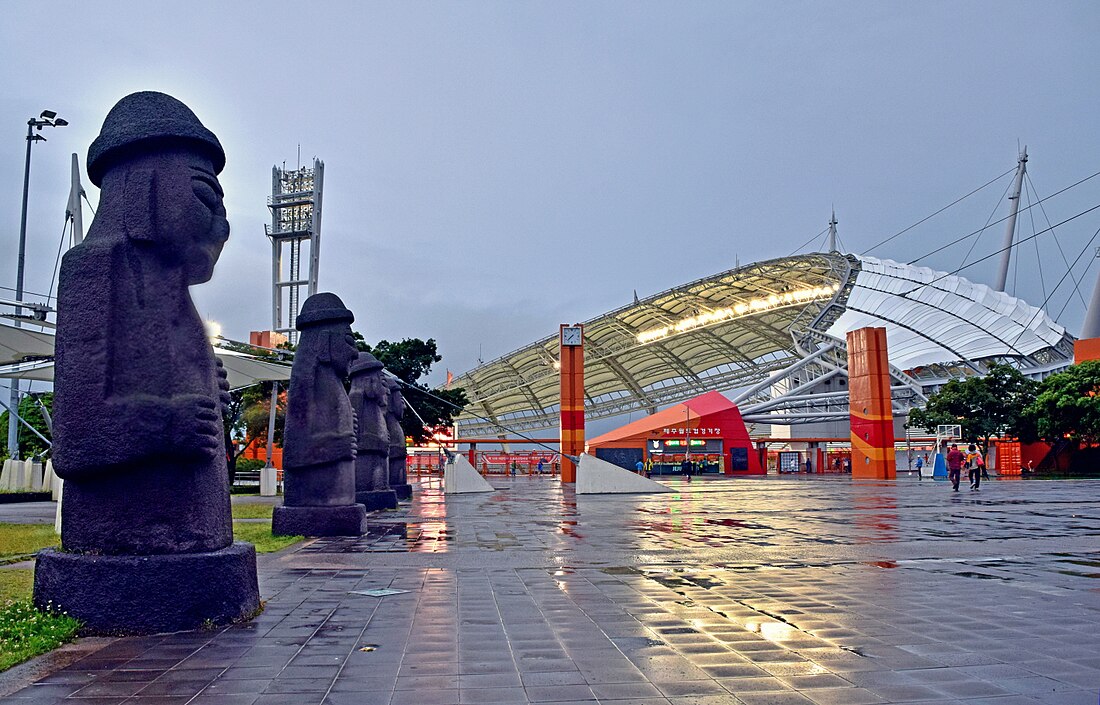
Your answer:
<point x="993" y="405"/>
<point x="1068" y="405"/>
<point x="409" y="360"/>
<point x="30" y="445"/>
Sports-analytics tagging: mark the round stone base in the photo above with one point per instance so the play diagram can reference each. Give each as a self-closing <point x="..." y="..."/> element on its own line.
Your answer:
<point x="345" y="520"/>
<point x="131" y="595"/>
<point x="404" y="492"/>
<point x="377" y="499"/>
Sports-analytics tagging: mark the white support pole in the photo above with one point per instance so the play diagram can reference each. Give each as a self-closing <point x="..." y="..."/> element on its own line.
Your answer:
<point x="76" y="191"/>
<point x="780" y="374"/>
<point x="269" y="473"/>
<point x="1091" y="327"/>
<point x="1010" y="229"/>
<point x="832" y="232"/>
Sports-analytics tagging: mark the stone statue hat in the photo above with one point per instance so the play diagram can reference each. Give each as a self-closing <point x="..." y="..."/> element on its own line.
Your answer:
<point x="364" y="364"/>
<point x="141" y="118"/>
<point x="322" y="308"/>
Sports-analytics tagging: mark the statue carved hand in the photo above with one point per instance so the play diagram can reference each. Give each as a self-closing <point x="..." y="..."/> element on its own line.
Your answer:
<point x="223" y="388"/>
<point x="197" y="425"/>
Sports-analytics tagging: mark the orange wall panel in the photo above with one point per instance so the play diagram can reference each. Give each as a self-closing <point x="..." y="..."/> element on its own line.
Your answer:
<point x="1086" y="349"/>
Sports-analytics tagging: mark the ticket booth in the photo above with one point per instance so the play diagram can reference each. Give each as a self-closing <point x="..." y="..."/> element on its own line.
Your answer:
<point x="707" y="429"/>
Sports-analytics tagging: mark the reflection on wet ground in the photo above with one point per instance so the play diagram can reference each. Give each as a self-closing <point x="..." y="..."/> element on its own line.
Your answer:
<point x="775" y="590"/>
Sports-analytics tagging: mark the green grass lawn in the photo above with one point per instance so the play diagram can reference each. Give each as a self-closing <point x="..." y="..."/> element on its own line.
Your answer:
<point x="259" y="534"/>
<point x="24" y="539"/>
<point x="15" y="584"/>
<point x="24" y="631"/>
<point x="252" y="510"/>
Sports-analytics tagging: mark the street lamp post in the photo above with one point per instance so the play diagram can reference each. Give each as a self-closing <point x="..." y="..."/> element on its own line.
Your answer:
<point x="48" y="118"/>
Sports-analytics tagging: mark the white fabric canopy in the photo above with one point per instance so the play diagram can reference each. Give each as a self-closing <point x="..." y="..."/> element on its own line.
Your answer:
<point x="934" y="317"/>
<point x="17" y="343"/>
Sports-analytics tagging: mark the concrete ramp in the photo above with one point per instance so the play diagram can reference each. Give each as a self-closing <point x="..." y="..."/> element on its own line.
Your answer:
<point x="595" y="476"/>
<point x="50" y="481"/>
<point x="459" y="477"/>
<point x="21" y="476"/>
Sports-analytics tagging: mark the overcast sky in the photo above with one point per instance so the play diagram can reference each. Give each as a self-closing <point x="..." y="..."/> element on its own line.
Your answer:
<point x="494" y="169"/>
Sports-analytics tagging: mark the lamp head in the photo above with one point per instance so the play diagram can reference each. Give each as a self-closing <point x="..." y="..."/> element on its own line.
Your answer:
<point x="48" y="114"/>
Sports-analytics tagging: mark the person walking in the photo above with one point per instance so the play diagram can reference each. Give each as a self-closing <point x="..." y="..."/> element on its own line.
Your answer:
<point x="639" y="467"/>
<point x="981" y="466"/>
<point x="920" y="466"/>
<point x="955" y="460"/>
<point x="973" y="472"/>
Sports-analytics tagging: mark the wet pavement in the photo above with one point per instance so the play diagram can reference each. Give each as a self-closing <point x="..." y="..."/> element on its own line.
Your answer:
<point x="757" y="591"/>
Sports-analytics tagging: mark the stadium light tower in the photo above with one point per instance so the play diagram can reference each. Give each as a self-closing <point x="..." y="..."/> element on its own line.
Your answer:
<point x="47" y="118"/>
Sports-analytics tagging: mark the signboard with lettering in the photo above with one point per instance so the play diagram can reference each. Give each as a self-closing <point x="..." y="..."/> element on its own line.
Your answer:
<point x="678" y="445"/>
<point x="706" y="431"/>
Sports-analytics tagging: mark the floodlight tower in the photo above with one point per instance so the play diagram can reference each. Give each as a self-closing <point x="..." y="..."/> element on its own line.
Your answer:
<point x="295" y="205"/>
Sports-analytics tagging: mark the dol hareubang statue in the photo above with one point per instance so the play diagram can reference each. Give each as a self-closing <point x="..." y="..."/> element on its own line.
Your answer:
<point x="369" y="395"/>
<point x="147" y="542"/>
<point x="395" y="411"/>
<point x="319" y="435"/>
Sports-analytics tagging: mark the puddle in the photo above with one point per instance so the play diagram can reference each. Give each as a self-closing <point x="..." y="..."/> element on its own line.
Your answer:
<point x="378" y="592"/>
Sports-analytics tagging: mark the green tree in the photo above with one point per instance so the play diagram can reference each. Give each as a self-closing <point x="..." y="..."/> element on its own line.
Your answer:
<point x="245" y="419"/>
<point x="29" y="410"/>
<point x="409" y="360"/>
<point x="257" y="411"/>
<point x="993" y="405"/>
<point x="1068" y="405"/>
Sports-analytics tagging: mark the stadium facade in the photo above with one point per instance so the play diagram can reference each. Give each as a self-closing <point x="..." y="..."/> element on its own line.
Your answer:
<point x="771" y="335"/>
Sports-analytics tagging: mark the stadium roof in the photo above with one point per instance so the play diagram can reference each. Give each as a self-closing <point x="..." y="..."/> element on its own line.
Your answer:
<point x="740" y="327"/>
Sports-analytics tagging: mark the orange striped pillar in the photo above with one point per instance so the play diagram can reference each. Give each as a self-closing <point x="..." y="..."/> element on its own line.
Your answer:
<point x="571" y="347"/>
<point x="872" y="418"/>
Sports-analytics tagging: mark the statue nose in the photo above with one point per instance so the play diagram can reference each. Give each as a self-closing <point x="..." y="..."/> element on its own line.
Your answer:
<point x="221" y="228"/>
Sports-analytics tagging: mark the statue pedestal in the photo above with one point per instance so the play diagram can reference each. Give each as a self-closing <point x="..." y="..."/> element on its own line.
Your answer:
<point x="377" y="499"/>
<point x="268" y="481"/>
<point x="404" y="492"/>
<point x="340" y="520"/>
<point x="149" y="594"/>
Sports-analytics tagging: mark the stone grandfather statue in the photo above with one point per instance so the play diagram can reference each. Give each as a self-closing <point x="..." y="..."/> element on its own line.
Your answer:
<point x="319" y="435"/>
<point x="395" y="411"/>
<point x="369" y="396"/>
<point x="147" y="541"/>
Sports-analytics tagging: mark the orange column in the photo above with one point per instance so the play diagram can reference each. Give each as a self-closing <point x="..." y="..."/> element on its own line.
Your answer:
<point x="872" y="418"/>
<point x="572" y="397"/>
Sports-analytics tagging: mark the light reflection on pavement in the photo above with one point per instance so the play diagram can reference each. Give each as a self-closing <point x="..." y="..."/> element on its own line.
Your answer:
<point x="752" y="591"/>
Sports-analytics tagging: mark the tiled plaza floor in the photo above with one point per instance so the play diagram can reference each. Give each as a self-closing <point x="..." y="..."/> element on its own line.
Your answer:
<point x="762" y="591"/>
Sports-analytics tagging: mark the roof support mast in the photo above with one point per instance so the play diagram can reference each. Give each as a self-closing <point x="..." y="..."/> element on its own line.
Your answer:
<point x="832" y="233"/>
<point x="1010" y="231"/>
<point x="1091" y="327"/>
